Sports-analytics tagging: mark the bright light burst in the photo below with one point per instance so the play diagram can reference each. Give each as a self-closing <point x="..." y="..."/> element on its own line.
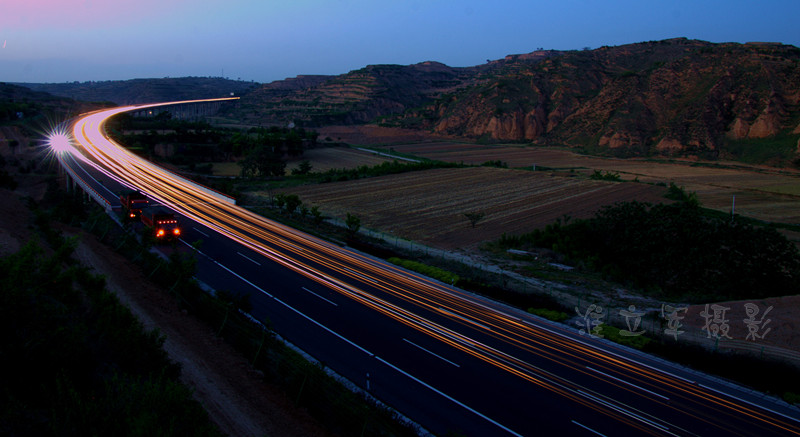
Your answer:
<point x="59" y="141"/>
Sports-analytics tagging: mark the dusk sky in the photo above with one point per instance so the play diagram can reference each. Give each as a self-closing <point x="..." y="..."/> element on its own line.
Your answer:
<point x="266" y="40"/>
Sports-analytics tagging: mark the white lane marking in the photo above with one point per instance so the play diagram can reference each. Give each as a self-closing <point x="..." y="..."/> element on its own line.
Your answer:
<point x="360" y="348"/>
<point x="624" y="411"/>
<point x="448" y="397"/>
<point x="626" y="382"/>
<point x="201" y="232"/>
<point x="426" y="350"/>
<point x="283" y="303"/>
<point x="248" y="258"/>
<point x="315" y="294"/>
<point x="587" y="428"/>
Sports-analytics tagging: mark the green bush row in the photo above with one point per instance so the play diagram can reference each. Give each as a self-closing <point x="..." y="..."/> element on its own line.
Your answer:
<point x="556" y="316"/>
<point x="429" y="271"/>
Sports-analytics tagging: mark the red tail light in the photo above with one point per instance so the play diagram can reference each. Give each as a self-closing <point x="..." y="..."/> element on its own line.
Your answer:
<point x="177" y="231"/>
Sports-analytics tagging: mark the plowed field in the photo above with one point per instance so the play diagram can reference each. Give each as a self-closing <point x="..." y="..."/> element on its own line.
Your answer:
<point x="764" y="193"/>
<point x="323" y="159"/>
<point x="429" y="206"/>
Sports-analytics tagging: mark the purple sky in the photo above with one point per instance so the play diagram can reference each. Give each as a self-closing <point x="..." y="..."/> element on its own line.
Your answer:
<point x="265" y="40"/>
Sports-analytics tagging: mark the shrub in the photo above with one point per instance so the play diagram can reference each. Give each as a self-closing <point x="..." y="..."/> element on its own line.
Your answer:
<point x="556" y="316"/>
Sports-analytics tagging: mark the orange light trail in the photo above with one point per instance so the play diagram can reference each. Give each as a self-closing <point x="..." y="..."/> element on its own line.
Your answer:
<point x="255" y="232"/>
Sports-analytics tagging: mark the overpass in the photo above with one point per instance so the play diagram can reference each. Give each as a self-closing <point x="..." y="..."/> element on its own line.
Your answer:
<point x="191" y="111"/>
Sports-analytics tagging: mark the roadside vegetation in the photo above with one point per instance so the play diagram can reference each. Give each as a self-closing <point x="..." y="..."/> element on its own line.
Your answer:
<point x="674" y="251"/>
<point x="308" y="384"/>
<point x="194" y="146"/>
<point x="77" y="362"/>
<point x="667" y="251"/>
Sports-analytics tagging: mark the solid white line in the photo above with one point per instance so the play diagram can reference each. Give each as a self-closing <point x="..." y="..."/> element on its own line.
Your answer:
<point x="229" y="270"/>
<point x="448" y="397"/>
<point x="284" y="303"/>
<point x="626" y="382"/>
<point x="249" y="259"/>
<point x="201" y="232"/>
<point x="324" y="327"/>
<point x="587" y="428"/>
<point x="426" y="350"/>
<point x="315" y="294"/>
<point x="624" y="411"/>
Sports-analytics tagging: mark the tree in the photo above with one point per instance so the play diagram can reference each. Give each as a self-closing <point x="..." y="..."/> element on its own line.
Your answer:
<point x="353" y="224"/>
<point x="280" y="200"/>
<point x="262" y="160"/>
<point x="317" y="214"/>
<point x="292" y="202"/>
<point x="474" y="217"/>
<point x="303" y="168"/>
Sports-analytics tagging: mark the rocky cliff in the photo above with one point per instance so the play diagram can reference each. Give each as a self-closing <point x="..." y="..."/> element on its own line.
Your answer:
<point x="667" y="97"/>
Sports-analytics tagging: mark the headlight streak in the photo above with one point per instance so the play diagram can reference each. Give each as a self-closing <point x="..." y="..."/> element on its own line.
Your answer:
<point x="251" y="230"/>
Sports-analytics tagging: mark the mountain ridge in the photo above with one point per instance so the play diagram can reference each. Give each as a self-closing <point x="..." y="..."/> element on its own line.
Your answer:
<point x="674" y="97"/>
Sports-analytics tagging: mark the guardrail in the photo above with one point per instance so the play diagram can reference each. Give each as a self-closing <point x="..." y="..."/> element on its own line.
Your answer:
<point x="85" y="186"/>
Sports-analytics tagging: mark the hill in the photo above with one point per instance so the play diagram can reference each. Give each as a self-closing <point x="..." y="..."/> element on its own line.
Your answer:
<point x="127" y="92"/>
<point x="682" y="97"/>
<point x="675" y="97"/>
<point x="21" y="103"/>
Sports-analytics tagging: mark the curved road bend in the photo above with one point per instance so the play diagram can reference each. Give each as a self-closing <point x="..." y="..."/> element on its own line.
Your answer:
<point x="443" y="357"/>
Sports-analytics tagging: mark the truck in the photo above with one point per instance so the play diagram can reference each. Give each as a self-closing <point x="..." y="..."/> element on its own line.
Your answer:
<point x="132" y="203"/>
<point x="163" y="223"/>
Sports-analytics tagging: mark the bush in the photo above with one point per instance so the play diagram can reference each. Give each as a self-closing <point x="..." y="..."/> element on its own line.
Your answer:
<point x="613" y="334"/>
<point x="429" y="271"/>
<point x="556" y="316"/>
<point x="607" y="176"/>
<point x="677" y="249"/>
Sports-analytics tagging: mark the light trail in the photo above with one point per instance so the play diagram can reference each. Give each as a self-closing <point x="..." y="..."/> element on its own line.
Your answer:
<point x="283" y="244"/>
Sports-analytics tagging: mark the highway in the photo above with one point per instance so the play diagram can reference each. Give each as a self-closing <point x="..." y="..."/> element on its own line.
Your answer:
<point x="447" y="359"/>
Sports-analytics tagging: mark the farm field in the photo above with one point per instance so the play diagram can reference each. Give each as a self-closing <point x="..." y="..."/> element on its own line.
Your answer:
<point x="429" y="206"/>
<point x="323" y="159"/>
<point x="761" y="192"/>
